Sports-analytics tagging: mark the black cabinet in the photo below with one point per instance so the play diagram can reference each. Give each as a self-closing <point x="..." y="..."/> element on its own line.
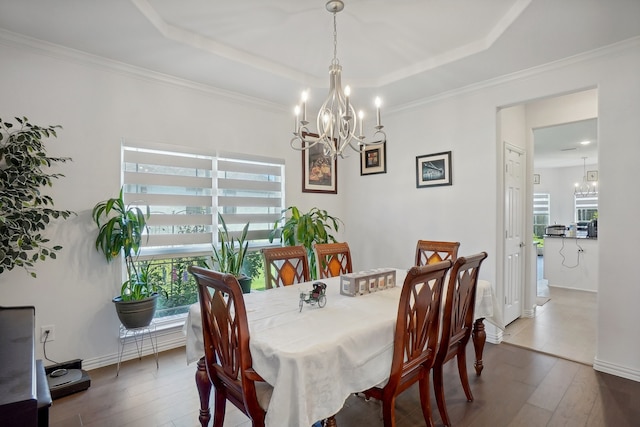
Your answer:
<point x="24" y="394"/>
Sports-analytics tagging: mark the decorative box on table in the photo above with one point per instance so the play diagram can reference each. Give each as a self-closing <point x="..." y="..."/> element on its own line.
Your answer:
<point x="364" y="282"/>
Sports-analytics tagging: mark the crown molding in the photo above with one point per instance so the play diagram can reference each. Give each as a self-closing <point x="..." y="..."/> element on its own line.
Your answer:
<point x="60" y="52"/>
<point x="11" y="39"/>
<point x="198" y="41"/>
<point x="632" y="43"/>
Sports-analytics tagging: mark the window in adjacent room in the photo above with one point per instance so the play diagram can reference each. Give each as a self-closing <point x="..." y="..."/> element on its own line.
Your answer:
<point x="541" y="212"/>
<point x="586" y="207"/>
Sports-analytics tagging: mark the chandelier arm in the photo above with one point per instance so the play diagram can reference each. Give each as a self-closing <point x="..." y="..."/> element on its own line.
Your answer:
<point x="304" y="143"/>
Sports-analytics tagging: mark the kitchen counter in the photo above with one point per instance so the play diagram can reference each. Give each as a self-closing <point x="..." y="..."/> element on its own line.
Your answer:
<point x="571" y="262"/>
<point x="567" y="237"/>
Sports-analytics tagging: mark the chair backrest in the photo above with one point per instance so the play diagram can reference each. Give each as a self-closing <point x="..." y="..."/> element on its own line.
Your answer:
<point x="226" y="339"/>
<point x="459" y="305"/>
<point x="429" y="251"/>
<point x="333" y="259"/>
<point x="416" y="335"/>
<point x="284" y="266"/>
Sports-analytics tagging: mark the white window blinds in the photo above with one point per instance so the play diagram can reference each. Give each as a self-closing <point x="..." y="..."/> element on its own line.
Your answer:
<point x="186" y="190"/>
<point x="177" y="187"/>
<point x="250" y="189"/>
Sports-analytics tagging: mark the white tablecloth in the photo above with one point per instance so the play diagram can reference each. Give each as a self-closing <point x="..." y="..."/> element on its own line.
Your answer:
<point x="316" y="358"/>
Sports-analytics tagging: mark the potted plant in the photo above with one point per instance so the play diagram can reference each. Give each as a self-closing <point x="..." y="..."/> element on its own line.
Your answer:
<point x="121" y="228"/>
<point x="306" y="229"/>
<point x="230" y="257"/>
<point x="25" y="212"/>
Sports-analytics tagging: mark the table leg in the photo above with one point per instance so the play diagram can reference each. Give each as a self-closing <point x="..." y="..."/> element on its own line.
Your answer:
<point x="330" y="422"/>
<point x="479" y="337"/>
<point x="204" y="391"/>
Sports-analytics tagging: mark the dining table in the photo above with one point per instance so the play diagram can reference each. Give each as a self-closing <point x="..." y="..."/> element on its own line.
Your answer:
<point x="315" y="357"/>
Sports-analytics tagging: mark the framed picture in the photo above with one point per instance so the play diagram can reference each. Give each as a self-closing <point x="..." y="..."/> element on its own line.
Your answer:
<point x="319" y="173"/>
<point x="433" y="170"/>
<point x="536" y="178"/>
<point x="592" y="175"/>
<point x="373" y="159"/>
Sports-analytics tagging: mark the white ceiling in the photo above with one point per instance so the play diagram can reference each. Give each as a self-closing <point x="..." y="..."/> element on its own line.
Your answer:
<point x="562" y="145"/>
<point x="403" y="50"/>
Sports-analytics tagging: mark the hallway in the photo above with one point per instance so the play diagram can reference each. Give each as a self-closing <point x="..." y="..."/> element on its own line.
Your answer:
<point x="564" y="326"/>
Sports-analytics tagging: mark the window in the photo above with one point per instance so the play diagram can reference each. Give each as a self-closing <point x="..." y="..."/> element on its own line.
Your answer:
<point x="541" y="212"/>
<point x="586" y="207"/>
<point x="185" y="191"/>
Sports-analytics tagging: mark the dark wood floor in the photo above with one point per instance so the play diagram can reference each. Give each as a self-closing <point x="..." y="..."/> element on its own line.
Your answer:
<point x="518" y="387"/>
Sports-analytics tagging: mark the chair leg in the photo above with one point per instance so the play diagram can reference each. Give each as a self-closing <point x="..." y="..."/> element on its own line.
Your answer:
<point x="462" y="370"/>
<point x="204" y="391"/>
<point x="438" y="390"/>
<point x="425" y="400"/>
<point x="219" y="408"/>
<point x="389" y="411"/>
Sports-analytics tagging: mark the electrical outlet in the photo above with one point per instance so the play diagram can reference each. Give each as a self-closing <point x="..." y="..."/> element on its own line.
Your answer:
<point x="43" y="333"/>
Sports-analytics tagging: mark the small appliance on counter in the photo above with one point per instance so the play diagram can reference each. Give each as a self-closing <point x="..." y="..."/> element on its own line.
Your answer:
<point x="555" y="230"/>
<point x="582" y="229"/>
<point x="592" y="228"/>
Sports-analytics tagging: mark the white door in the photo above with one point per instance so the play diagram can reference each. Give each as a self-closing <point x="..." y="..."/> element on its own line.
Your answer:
<point x="514" y="262"/>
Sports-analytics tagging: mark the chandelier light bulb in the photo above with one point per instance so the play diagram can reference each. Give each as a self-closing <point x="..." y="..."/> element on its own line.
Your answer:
<point x="296" y="112"/>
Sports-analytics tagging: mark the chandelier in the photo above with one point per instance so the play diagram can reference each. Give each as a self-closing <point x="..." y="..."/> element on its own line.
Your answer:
<point x="336" y="120"/>
<point x="585" y="189"/>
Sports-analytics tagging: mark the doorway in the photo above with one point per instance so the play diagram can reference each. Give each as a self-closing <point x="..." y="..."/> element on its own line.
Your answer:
<point x="523" y="122"/>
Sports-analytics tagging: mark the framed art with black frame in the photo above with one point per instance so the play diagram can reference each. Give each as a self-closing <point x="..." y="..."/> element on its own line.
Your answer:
<point x="319" y="173"/>
<point x="433" y="170"/>
<point x="373" y="159"/>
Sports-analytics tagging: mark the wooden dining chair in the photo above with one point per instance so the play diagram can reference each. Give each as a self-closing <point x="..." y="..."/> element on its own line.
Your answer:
<point x="332" y="259"/>
<point x="416" y="339"/>
<point x="430" y="251"/>
<point x="284" y="266"/>
<point x="457" y="324"/>
<point x="226" y="344"/>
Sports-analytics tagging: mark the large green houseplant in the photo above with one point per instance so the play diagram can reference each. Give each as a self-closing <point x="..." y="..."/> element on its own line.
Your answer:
<point x="121" y="229"/>
<point x="25" y="212"/>
<point x="231" y="255"/>
<point x="305" y="229"/>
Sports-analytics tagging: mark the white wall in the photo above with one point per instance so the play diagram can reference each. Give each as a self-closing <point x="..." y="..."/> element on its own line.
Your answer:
<point x="618" y="292"/>
<point x="384" y="214"/>
<point x="97" y="107"/>
<point x="465" y="123"/>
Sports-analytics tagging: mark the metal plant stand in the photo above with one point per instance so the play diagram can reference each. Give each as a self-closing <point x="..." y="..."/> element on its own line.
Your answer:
<point x="138" y="337"/>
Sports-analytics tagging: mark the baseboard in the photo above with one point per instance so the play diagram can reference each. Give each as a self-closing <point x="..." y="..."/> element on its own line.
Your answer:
<point x="529" y="313"/>
<point x="617" y="370"/>
<point x="165" y="341"/>
<point x="573" y="289"/>
<point x="494" y="334"/>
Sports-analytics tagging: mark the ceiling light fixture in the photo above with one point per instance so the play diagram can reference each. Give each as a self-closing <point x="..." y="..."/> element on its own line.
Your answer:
<point x="336" y="121"/>
<point x="585" y="189"/>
